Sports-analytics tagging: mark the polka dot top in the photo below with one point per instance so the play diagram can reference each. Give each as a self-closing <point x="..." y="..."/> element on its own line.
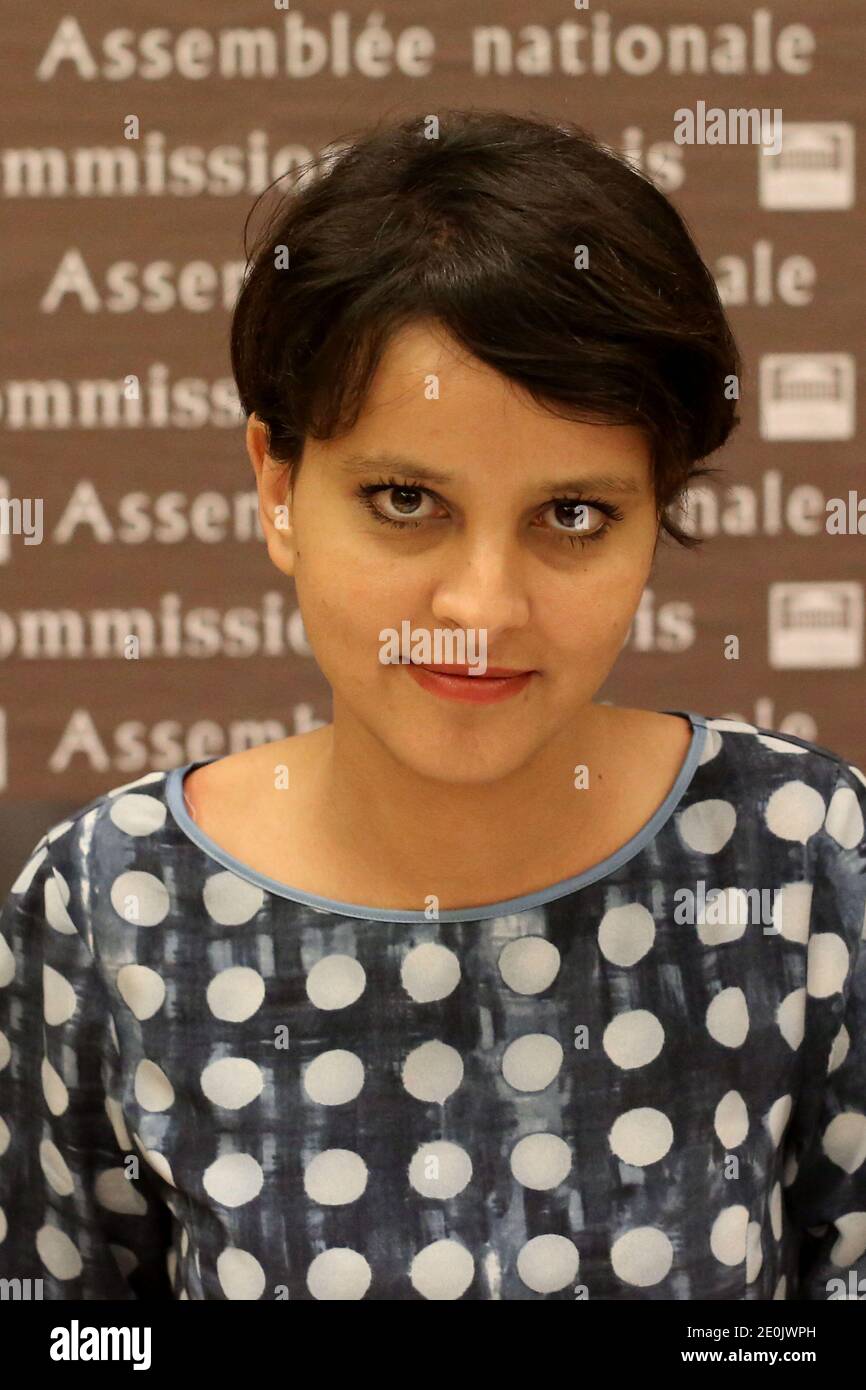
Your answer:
<point x="647" y="1081"/>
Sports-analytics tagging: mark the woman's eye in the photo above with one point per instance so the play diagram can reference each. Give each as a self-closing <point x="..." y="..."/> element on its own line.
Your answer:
<point x="575" y="519"/>
<point x="398" y="505"/>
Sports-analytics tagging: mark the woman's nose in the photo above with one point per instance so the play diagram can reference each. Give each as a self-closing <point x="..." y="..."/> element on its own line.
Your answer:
<point x="482" y="586"/>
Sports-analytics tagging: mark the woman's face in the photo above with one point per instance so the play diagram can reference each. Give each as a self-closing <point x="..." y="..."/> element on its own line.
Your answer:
<point x="492" y="552"/>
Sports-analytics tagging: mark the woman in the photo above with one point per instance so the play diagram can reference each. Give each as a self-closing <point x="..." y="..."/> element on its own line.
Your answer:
<point x="486" y="989"/>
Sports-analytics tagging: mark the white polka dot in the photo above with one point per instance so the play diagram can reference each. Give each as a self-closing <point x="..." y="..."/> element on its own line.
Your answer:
<point x="723" y="917"/>
<point x="728" y="1017"/>
<point x="754" y="1251"/>
<point x="642" y="1257"/>
<point x="240" y="1274"/>
<point x="5" y="1136"/>
<point x="158" y="1162"/>
<point x="712" y="745"/>
<point x="781" y="1289"/>
<point x="780" y="745"/>
<point x="861" y="777"/>
<point x="430" y="972"/>
<point x="335" y="1177"/>
<point x="827" y="964"/>
<point x="776" y="1210"/>
<point x="28" y="873"/>
<point x="839" y="1050"/>
<point x="115" y="1192"/>
<point x="633" y="1039"/>
<point x="59" y="1001"/>
<point x="115" y="1116"/>
<point x="728" y="1235"/>
<point x="443" y="1270"/>
<point x="791" y="1017"/>
<point x="795" y="811"/>
<point x="733" y="726"/>
<point x="844" y="1140"/>
<point x="792" y="910"/>
<point x="53" y="1089"/>
<point x="335" y="982"/>
<point x="135" y="814"/>
<point x="541" y="1161"/>
<point x="57" y="830"/>
<point x="731" y="1120"/>
<point x="140" y="898"/>
<point x="339" y="1274"/>
<point x="56" y="896"/>
<point x="4" y="1225"/>
<point x="58" y="1253"/>
<point x="55" y="1168"/>
<point x="851" y="1244"/>
<point x="141" y="989"/>
<point x="440" y="1169"/>
<point x="7" y="963"/>
<point x="641" y="1136"/>
<point x="235" y="993"/>
<point x="529" y="965"/>
<point x="548" y="1263"/>
<point x="433" y="1072"/>
<point x="230" y="900"/>
<point x="707" y="826"/>
<point x="153" y="1090"/>
<point x="777" y="1118"/>
<point x="5" y="1050"/>
<point x="233" y="1179"/>
<point x="844" y="818"/>
<point x="334" y="1077"/>
<point x="232" y="1082"/>
<point x="626" y="933"/>
<point x="530" y="1063"/>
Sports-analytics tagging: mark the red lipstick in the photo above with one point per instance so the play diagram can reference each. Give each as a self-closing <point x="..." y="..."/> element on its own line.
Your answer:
<point x="455" y="683"/>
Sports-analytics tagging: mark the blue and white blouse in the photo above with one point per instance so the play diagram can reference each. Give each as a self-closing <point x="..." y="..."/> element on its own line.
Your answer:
<point x="647" y="1081"/>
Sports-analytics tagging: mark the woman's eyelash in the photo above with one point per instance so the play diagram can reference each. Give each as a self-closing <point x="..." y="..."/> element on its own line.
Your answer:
<point x="367" y="492"/>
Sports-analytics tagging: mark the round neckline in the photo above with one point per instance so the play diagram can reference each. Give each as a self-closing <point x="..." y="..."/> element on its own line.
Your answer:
<point x="175" y="801"/>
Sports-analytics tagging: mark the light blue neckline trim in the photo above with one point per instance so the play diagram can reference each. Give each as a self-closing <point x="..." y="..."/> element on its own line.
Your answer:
<point x="174" y="799"/>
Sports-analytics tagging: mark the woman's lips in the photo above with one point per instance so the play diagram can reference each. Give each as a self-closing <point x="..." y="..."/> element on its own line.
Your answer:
<point x="451" y="682"/>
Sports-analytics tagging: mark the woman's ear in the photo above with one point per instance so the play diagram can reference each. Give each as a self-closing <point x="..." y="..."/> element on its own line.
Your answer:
<point x="272" y="479"/>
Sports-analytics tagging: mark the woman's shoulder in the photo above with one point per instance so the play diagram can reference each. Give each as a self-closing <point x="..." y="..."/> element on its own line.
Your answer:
<point x="768" y="749"/>
<point x="783" y="787"/>
<point x="69" y="861"/>
<point x="97" y="841"/>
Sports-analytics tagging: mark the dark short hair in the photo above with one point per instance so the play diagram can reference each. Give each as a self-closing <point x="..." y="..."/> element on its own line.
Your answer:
<point x="478" y="228"/>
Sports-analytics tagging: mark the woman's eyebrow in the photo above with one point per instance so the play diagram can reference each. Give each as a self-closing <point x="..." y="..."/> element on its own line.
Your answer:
<point x="597" y="482"/>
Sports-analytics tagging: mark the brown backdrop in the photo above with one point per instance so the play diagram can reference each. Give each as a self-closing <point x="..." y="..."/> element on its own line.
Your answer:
<point x="122" y="259"/>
